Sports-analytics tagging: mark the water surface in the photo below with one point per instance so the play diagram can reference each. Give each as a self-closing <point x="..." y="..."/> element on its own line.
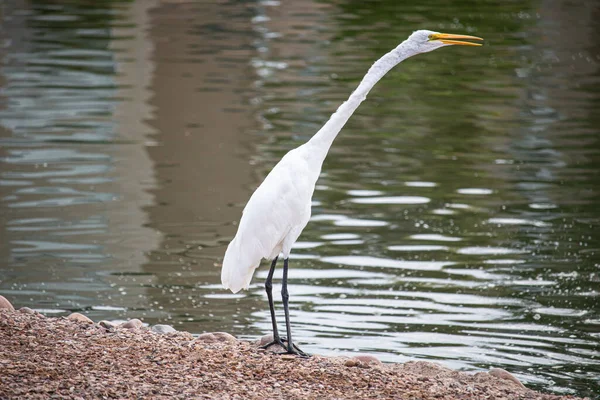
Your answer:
<point x="455" y="220"/>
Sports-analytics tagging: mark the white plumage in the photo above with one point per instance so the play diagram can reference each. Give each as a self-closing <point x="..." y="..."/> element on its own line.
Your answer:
<point x="273" y="219"/>
<point x="280" y="207"/>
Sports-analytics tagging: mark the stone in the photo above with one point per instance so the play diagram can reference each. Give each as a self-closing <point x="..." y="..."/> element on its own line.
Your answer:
<point x="26" y="310"/>
<point x="211" y="337"/>
<point x="288" y="357"/>
<point x="132" y="324"/>
<point x="353" y="362"/>
<point x="5" y="304"/>
<point x="225" y="337"/>
<point x="162" y="329"/>
<point x="263" y="341"/>
<point x="107" y="325"/>
<point x="80" y="318"/>
<point x="504" y="374"/>
<point x="206" y="337"/>
<point x="367" y="359"/>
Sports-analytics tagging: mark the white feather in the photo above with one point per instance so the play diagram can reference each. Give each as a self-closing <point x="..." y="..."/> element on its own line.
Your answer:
<point x="272" y="220"/>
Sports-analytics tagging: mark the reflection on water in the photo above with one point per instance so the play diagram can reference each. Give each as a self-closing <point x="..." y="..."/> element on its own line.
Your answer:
<point x="455" y="219"/>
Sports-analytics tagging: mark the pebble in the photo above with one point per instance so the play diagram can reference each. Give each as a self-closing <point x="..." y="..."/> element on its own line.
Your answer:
<point x="80" y="318"/>
<point x="162" y="329"/>
<point x="367" y="359"/>
<point x="206" y="337"/>
<point x="216" y="337"/>
<point x="351" y="362"/>
<point x="132" y="324"/>
<point x="504" y="374"/>
<point x="265" y="340"/>
<point x="107" y="324"/>
<point x="5" y="304"/>
<point x="225" y="337"/>
<point x="26" y="310"/>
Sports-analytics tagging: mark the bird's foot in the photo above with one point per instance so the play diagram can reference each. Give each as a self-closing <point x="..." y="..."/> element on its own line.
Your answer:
<point x="277" y="340"/>
<point x="295" y="350"/>
<point x="282" y="341"/>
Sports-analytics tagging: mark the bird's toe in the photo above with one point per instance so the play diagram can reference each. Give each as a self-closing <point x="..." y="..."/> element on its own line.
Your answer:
<point x="277" y="341"/>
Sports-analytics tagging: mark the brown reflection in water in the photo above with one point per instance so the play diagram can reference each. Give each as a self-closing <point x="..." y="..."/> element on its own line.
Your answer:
<point x="208" y="90"/>
<point x="201" y="87"/>
<point x="134" y="168"/>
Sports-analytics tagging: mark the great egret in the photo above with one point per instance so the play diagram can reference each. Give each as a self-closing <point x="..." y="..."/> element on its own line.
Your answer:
<point x="279" y="209"/>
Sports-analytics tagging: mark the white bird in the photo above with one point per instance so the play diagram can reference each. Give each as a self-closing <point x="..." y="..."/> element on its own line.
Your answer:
<point x="280" y="207"/>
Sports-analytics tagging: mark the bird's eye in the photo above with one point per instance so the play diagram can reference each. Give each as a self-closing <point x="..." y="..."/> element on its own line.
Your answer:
<point x="429" y="37"/>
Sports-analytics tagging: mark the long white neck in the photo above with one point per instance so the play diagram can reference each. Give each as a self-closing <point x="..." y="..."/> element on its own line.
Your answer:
<point x="322" y="140"/>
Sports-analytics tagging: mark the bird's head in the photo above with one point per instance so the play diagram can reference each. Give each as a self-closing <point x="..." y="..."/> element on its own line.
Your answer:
<point x="423" y="41"/>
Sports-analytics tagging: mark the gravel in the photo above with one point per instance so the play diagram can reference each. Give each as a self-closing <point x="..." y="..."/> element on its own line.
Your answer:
<point x="45" y="357"/>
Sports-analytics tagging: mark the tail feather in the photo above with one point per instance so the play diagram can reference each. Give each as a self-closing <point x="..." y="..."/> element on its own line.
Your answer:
<point x="236" y="273"/>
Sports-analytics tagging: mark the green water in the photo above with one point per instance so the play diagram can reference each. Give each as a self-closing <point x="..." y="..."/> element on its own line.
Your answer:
<point x="455" y="220"/>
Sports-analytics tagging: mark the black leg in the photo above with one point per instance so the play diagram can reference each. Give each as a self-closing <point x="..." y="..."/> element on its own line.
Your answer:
<point x="291" y="348"/>
<point x="269" y="289"/>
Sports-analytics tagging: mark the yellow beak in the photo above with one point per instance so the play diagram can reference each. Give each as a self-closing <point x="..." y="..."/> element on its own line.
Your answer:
<point x="449" y="38"/>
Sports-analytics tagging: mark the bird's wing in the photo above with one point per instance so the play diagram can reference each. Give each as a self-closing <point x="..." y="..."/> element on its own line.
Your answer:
<point x="275" y="208"/>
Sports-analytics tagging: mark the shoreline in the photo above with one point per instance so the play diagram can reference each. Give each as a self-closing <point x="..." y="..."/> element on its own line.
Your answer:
<point x="73" y="357"/>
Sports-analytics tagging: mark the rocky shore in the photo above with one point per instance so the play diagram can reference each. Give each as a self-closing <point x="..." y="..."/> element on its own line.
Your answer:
<point x="73" y="357"/>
